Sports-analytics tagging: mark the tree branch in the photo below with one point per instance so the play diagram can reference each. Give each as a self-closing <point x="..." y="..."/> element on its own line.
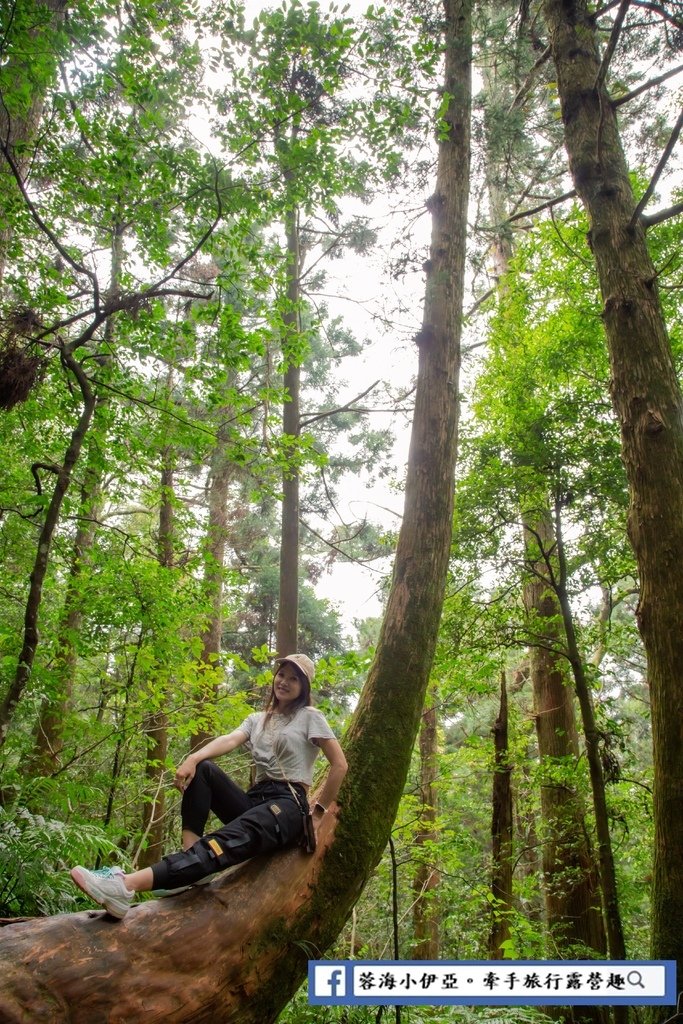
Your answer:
<point x="661" y="11"/>
<point x="543" y="206"/>
<point x="367" y="563"/>
<point x="612" y="44"/>
<point x="79" y="268"/>
<point x="524" y="88"/>
<point x="475" y="306"/>
<point x="650" y="84"/>
<point x="306" y="420"/>
<point x="668" y="149"/>
<point x="662" y="215"/>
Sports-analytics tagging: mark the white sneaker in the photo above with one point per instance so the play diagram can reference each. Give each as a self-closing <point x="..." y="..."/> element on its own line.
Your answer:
<point x="106" y="887"/>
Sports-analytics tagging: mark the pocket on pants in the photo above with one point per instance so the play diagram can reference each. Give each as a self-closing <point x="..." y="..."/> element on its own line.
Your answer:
<point x="217" y="850"/>
<point x="288" y="821"/>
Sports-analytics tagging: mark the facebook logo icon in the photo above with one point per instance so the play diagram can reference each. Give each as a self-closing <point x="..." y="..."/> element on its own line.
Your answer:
<point x="329" y="980"/>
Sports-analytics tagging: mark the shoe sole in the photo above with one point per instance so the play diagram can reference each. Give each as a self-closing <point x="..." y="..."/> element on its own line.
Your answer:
<point x="78" y="880"/>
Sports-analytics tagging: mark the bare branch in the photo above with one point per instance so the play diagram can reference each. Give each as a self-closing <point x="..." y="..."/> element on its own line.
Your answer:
<point x="650" y="84"/>
<point x="668" y="149"/>
<point x="524" y="88"/>
<point x="349" y="407"/>
<point x="662" y="215"/>
<point x="475" y="306"/>
<point x="340" y="551"/>
<point x="661" y="11"/>
<point x="612" y="44"/>
<point x="50" y="467"/>
<point x="548" y="205"/>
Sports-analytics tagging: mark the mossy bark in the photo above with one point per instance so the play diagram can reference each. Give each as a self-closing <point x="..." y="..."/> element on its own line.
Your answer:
<point x="647" y="400"/>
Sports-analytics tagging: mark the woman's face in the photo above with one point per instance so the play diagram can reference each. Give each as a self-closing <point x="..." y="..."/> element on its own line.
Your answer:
<point x="286" y="685"/>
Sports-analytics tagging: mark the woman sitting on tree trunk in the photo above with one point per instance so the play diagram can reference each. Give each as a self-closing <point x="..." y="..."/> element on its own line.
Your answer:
<point x="284" y="741"/>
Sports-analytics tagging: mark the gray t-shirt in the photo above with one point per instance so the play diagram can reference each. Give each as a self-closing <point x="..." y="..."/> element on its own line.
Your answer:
<point x="285" y="746"/>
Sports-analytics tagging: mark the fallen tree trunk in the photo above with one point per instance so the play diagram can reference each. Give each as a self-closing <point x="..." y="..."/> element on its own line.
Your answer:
<point x="235" y="952"/>
<point x="199" y="956"/>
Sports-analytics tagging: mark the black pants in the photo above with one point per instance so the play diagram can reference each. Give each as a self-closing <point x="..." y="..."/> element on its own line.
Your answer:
<point x="264" y="819"/>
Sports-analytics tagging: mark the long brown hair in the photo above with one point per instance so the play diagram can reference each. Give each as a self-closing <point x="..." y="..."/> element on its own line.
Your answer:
<point x="301" y="701"/>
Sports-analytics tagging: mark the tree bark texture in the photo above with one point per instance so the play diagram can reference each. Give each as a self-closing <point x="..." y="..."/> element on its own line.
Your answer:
<point x="572" y="892"/>
<point x="647" y="400"/>
<point x="234" y="954"/>
<point x="501" y="832"/>
<point x="202" y="956"/>
<point x="288" y="603"/>
<point x="426" y="916"/>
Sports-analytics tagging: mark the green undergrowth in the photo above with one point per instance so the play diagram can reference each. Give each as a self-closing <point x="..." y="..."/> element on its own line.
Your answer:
<point x="300" y="1011"/>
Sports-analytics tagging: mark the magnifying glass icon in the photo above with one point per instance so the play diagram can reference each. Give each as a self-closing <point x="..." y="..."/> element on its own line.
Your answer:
<point x="635" y="978"/>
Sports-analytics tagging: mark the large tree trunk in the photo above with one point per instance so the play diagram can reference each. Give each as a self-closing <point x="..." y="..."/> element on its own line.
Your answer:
<point x="236" y="951"/>
<point x="647" y="400"/>
<point x="572" y="893"/>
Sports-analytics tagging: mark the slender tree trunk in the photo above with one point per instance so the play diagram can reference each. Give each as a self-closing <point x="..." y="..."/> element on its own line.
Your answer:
<point x="49" y="738"/>
<point x="155" y="964"/>
<point x="647" y="401"/>
<point x="42" y="558"/>
<point x="288" y="604"/>
<point x="156" y="722"/>
<point x="117" y="761"/>
<point x="529" y="861"/>
<point x="426" y="914"/>
<point x="501" y="832"/>
<point x="214" y="560"/>
<point x="572" y="893"/>
<point x="615" y="936"/>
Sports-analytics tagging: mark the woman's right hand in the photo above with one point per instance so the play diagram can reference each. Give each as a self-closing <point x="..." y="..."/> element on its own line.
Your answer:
<point x="185" y="774"/>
